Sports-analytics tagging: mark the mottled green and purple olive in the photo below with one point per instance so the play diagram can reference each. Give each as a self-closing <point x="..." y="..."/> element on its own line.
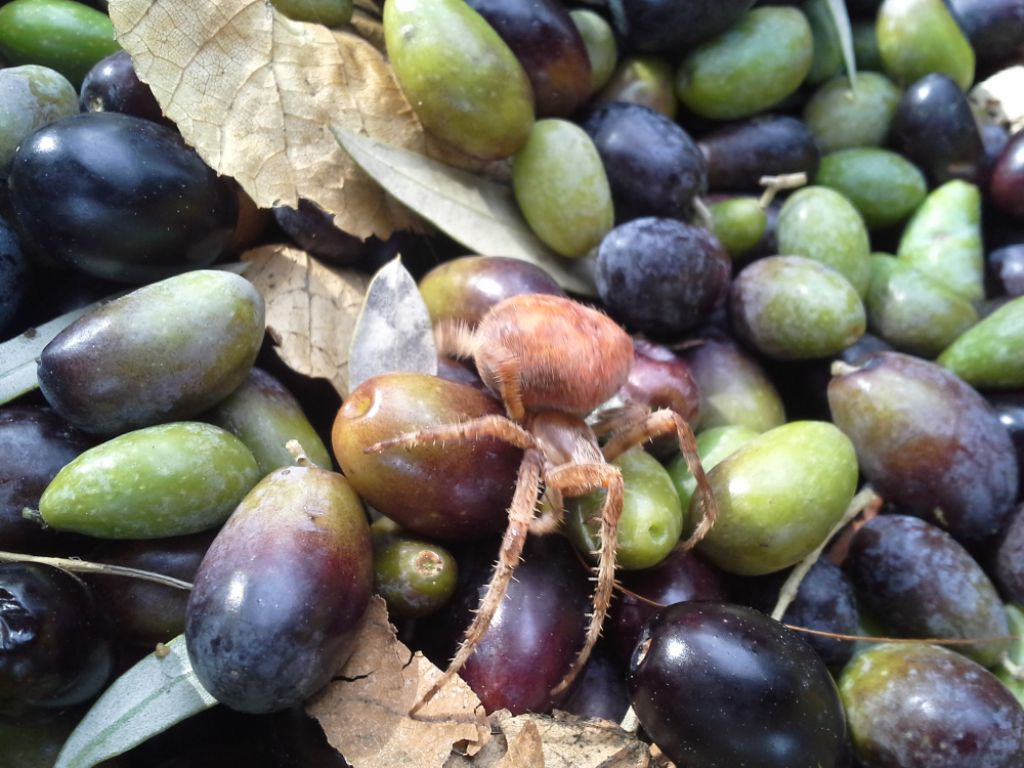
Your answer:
<point x="165" y="352"/>
<point x="882" y="185"/>
<point x="266" y="416"/>
<point x="160" y="481"/>
<point x="778" y="497"/>
<point x="929" y="443"/>
<point x="841" y="117"/>
<point x="332" y="13"/>
<point x="917" y="37"/>
<point x="278" y="597"/>
<point x="456" y="491"/>
<point x="828" y="53"/>
<point x="913" y="312"/>
<point x="646" y="80"/>
<point x="792" y="308"/>
<point x="561" y="187"/>
<point x="651" y="521"/>
<point x="31" y="96"/>
<point x="599" y="39"/>
<point x="988" y="355"/>
<point x="914" y="704"/>
<point x="921" y="583"/>
<point x="67" y="36"/>
<point x="739" y="225"/>
<point x="755" y="64"/>
<point x="416" y="578"/>
<point x="734" y="388"/>
<point x="713" y="446"/>
<point x="943" y="239"/>
<point x="820" y="224"/>
<point x="449" y="62"/>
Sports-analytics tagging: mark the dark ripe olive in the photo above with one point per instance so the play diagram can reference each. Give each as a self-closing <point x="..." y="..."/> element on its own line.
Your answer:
<point x="600" y="690"/>
<point x="35" y="443"/>
<point x="659" y="379"/>
<point x="1009" y="561"/>
<point x="465" y="288"/>
<point x="457" y="491"/>
<point x="113" y="86"/>
<point x="536" y="632"/>
<point x="935" y="129"/>
<point x="15" y="275"/>
<point x="660" y="275"/>
<point x="141" y="612"/>
<point x="668" y="26"/>
<point x="154" y="207"/>
<point x="995" y="28"/>
<point x="929" y="443"/>
<point x="738" y="155"/>
<point x="1006" y="270"/>
<point x="54" y="650"/>
<point x="720" y="686"/>
<point x="653" y="166"/>
<point x="680" y="577"/>
<point x="278" y="597"/>
<point x="1006" y="186"/>
<point x="921" y="583"/>
<point x="314" y="231"/>
<point x="547" y="43"/>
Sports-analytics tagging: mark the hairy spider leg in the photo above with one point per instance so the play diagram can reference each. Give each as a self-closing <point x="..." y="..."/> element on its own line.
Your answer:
<point x="494" y="426"/>
<point x="663" y="422"/>
<point x="577" y="480"/>
<point x="520" y="513"/>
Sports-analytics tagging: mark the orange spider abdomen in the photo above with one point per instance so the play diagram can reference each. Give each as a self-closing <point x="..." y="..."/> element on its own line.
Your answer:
<point x="568" y="357"/>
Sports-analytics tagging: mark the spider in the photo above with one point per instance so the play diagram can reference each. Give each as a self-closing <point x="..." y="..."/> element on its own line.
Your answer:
<point x="552" y="361"/>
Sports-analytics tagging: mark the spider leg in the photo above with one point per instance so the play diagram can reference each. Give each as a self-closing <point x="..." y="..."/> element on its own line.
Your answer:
<point x="576" y="480"/>
<point x="497" y="427"/>
<point x="665" y="422"/>
<point x="551" y="512"/>
<point x="520" y="514"/>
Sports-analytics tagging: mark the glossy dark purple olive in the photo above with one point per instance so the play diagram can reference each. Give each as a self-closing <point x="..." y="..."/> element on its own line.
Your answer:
<point x="1006" y="186"/>
<point x="15" y="275"/>
<point x="720" y="686"/>
<point x="670" y="26"/>
<point x="314" y="231"/>
<point x="995" y="28"/>
<point x="119" y="197"/>
<point x="1009" y="562"/>
<point x="113" y="86"/>
<point x="738" y="155"/>
<point x="654" y="168"/>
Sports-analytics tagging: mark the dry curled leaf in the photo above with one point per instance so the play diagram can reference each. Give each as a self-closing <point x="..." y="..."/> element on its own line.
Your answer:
<point x="526" y="749"/>
<point x="254" y="92"/>
<point x="572" y="742"/>
<point x="365" y="711"/>
<point x="311" y="310"/>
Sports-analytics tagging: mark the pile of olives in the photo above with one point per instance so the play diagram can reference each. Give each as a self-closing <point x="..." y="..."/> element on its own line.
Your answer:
<point x="861" y="330"/>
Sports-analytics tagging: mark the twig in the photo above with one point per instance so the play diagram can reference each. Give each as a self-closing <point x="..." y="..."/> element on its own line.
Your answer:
<point x="775" y="184"/>
<point x="84" y="566"/>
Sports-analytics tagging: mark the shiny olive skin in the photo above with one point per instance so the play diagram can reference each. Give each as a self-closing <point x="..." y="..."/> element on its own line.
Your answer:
<point x="718" y="686"/>
<point x="278" y="597"/>
<point x="883" y="186"/>
<point x="547" y="43"/>
<point x="915" y="705"/>
<point x="155" y="207"/>
<point x="416" y="578"/>
<point x="31" y="96"/>
<point x="917" y="37"/>
<point x="313" y="230"/>
<point x="143" y="613"/>
<point x="1008" y="571"/>
<point x="982" y="355"/>
<point x="921" y="583"/>
<point x="113" y="86"/>
<point x="960" y="473"/>
<point x="645" y="80"/>
<point x="1007" y="180"/>
<point x="665" y="26"/>
<point x="454" y="492"/>
<point x="54" y="646"/>
<point x="164" y="352"/>
<point x="739" y="154"/>
<point x="995" y="28"/>
<point x="35" y="444"/>
<point x="463" y="289"/>
<point x="841" y="117"/>
<point x="659" y="379"/>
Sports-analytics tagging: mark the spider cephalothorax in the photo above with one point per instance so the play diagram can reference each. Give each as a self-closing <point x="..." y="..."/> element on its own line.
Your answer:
<point x="553" y="361"/>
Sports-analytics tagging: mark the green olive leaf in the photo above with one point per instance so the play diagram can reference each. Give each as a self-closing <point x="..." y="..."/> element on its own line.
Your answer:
<point x="158" y="692"/>
<point x="393" y="331"/>
<point x="478" y="213"/>
<point x="842" y="21"/>
<point x="1012" y="670"/>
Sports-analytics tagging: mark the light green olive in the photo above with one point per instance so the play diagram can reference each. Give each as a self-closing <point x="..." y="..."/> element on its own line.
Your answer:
<point x="918" y="37"/>
<point x="713" y="445"/>
<point x="989" y="354"/>
<point x="883" y="186"/>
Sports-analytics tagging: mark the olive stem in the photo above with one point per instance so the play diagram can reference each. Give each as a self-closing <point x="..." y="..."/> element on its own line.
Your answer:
<point x="84" y="566"/>
<point x="866" y="498"/>
<point x="630" y="722"/>
<point x="295" y="449"/>
<point x="840" y="368"/>
<point x="775" y="184"/>
<point x="1016" y="670"/>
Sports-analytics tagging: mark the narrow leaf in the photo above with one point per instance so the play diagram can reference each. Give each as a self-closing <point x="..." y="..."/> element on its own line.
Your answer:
<point x="149" y="698"/>
<point x="393" y="331"/>
<point x="477" y="212"/>
<point x="842" y="21"/>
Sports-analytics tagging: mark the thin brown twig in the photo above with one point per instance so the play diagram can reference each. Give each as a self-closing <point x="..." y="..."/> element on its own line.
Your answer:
<point x="104" y="569"/>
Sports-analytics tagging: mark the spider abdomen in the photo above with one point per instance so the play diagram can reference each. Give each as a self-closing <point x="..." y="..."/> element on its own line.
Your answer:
<point x="566" y="356"/>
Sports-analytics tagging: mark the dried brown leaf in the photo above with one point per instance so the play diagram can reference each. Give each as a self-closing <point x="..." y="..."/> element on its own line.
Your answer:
<point x="524" y="750"/>
<point x="572" y="742"/>
<point x="254" y="92"/>
<point x="311" y="310"/>
<point x="364" y="712"/>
